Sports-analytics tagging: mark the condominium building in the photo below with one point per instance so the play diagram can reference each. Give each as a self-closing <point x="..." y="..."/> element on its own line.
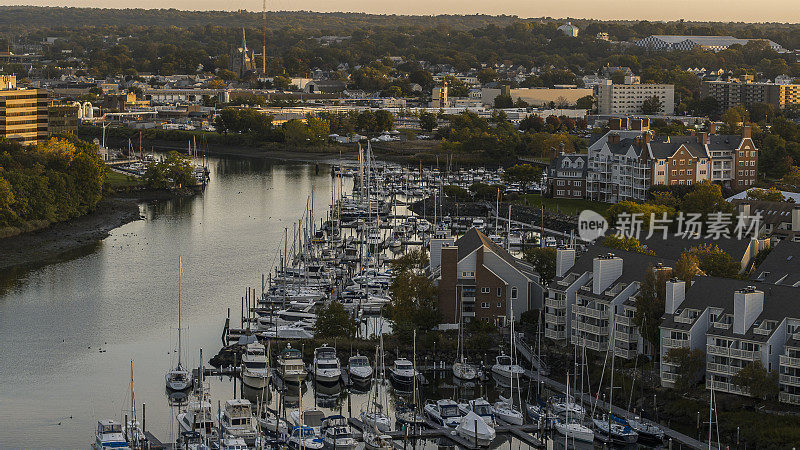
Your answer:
<point x="566" y="176"/>
<point x="627" y="99"/>
<point x="619" y="163"/>
<point x="478" y="279"/>
<point x="23" y="113"/>
<point x="591" y="301"/>
<point x="735" y="323"/>
<point x="736" y="92"/>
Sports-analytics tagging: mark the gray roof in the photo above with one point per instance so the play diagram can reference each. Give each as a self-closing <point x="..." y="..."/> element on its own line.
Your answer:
<point x="474" y="239"/>
<point x="781" y="266"/>
<point x="664" y="148"/>
<point x="724" y="141"/>
<point x="774" y="213"/>
<point x="634" y="264"/>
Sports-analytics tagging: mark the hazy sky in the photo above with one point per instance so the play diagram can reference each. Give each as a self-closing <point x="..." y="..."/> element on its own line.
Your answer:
<point x="715" y="10"/>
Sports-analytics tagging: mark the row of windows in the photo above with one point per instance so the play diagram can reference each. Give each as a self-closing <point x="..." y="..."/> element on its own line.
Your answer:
<point x="562" y="192"/>
<point x="575" y="183"/>
<point x="745" y="173"/>
<point x="745" y="163"/>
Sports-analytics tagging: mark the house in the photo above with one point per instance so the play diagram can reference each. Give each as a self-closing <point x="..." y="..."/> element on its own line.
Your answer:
<point x="566" y="176"/>
<point x="481" y="280"/>
<point x="324" y="87"/>
<point x="569" y="29"/>
<point x="781" y="265"/>
<point x="780" y="220"/>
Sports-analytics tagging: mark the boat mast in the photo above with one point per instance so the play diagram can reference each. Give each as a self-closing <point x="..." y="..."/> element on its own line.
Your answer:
<point x="180" y="277"/>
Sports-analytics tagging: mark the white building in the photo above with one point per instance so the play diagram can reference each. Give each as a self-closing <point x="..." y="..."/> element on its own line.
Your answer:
<point x="627" y="99"/>
<point x="569" y="29"/>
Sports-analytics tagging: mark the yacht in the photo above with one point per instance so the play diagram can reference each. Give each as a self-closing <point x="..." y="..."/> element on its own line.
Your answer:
<point x="305" y="438"/>
<point x="237" y="419"/>
<point x="403" y="371"/>
<point x="573" y="429"/>
<point x="232" y="443"/>
<point x="480" y="407"/>
<point x="505" y="368"/>
<point x="326" y="368"/>
<point x="255" y="372"/>
<point x="359" y="369"/>
<point x="445" y="412"/>
<point x="109" y="435"/>
<point x="562" y="405"/>
<point x="505" y="411"/>
<point x="179" y="379"/>
<point x="198" y="418"/>
<point x="474" y="429"/>
<point x="290" y="365"/>
<point x="336" y="433"/>
<point x="377" y="441"/>
<point x="646" y="430"/>
<point x="620" y="433"/>
<point x="311" y="418"/>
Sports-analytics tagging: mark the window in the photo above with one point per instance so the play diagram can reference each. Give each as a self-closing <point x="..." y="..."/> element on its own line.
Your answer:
<point x="486" y="290"/>
<point x="499" y="304"/>
<point x="560" y="192"/>
<point x="499" y="292"/>
<point x="560" y="182"/>
<point x="576" y="183"/>
<point x="514" y="292"/>
<point x="467" y="274"/>
<point x="674" y="173"/>
<point x="485" y="305"/>
<point x="683" y="162"/>
<point x="682" y="171"/>
<point x="689" y="172"/>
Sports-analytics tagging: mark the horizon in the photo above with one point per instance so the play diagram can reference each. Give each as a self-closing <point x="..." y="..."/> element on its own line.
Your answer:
<point x="711" y="11"/>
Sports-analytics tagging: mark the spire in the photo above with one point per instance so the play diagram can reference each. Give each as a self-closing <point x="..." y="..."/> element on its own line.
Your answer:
<point x="244" y="41"/>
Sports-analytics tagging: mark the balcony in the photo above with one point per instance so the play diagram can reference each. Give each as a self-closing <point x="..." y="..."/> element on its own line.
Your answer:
<point x="683" y="319"/>
<point x="625" y="337"/>
<point x="623" y="320"/>
<point x="554" y="319"/>
<point x="592" y="329"/>
<point x="786" y="397"/>
<point x="558" y="335"/>
<point x="728" y="387"/>
<point x="674" y="343"/>
<point x="722" y="369"/>
<point x="589" y="312"/>
<point x="789" y="379"/>
<point x="669" y="377"/>
<point x="625" y="353"/>
<point x="555" y="303"/>
<point x="789" y="361"/>
<point x="732" y="352"/>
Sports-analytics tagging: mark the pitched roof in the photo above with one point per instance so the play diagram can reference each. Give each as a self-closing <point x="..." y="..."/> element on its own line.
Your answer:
<point x="781" y="266"/>
<point x="633" y="264"/>
<point x="771" y="212"/>
<point x="673" y="246"/>
<point x="474" y="239"/>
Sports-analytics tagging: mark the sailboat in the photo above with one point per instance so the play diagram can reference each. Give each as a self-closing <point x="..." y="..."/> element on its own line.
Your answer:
<point x="179" y="379"/>
<point x="133" y="431"/>
<point x="461" y="369"/>
<point x="374" y="416"/>
<point x="572" y="428"/>
<point x="410" y="414"/>
<point x="612" y="429"/>
<point x="504" y="408"/>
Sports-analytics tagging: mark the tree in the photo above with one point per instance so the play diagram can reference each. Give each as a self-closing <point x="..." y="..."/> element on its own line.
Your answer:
<point x="427" y="121"/>
<point x="793" y="177"/>
<point x="733" y="117"/>
<point x="771" y="194"/>
<point x="686" y="267"/>
<point x="629" y="244"/>
<point x="586" y="102"/>
<point x="761" y="384"/>
<point x="457" y="193"/>
<point x="414" y="303"/>
<point x="296" y="132"/>
<point x="486" y="75"/>
<point x="705" y="198"/>
<point x="714" y="261"/>
<point x="543" y="260"/>
<point x="525" y="174"/>
<point x="652" y="105"/>
<point x="175" y="170"/>
<point x="690" y="365"/>
<point x="384" y="120"/>
<point x="318" y="130"/>
<point x="650" y="305"/>
<point x="503" y="101"/>
<point x="333" y="321"/>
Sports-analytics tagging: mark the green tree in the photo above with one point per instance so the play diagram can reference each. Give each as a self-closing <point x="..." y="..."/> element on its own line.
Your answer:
<point x="503" y="101"/>
<point x="770" y="194"/>
<point x="384" y="120"/>
<point x="714" y="261"/>
<point x="427" y="121"/>
<point x="457" y="193"/>
<point x="543" y="260"/>
<point x="487" y="75"/>
<point x="524" y="174"/>
<point x="586" y="102"/>
<point x="793" y="177"/>
<point x="175" y="170"/>
<point x="333" y="321"/>
<point x="629" y="244"/>
<point x="690" y="365"/>
<point x="650" y="305"/>
<point x="414" y="303"/>
<point x="761" y="384"/>
<point x="318" y="130"/>
<point x="705" y="198"/>
<point x="296" y="132"/>
<point x="652" y="105"/>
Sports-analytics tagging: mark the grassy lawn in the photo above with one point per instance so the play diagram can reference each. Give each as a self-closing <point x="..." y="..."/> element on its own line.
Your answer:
<point x="563" y="205"/>
<point x="119" y="180"/>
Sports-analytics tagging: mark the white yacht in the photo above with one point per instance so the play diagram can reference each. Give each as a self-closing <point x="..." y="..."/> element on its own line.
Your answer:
<point x="290" y="365"/>
<point x="109" y="435"/>
<point x="562" y="405"/>
<point x="179" y="379"/>
<point x="336" y="433"/>
<point x="377" y="441"/>
<point x="474" y="429"/>
<point x="255" y="372"/>
<point x="305" y="438"/>
<point x="311" y="418"/>
<point x="480" y="407"/>
<point x="573" y="429"/>
<point x="445" y="412"/>
<point x="505" y="411"/>
<point x="237" y="419"/>
<point x="403" y="371"/>
<point x="505" y="368"/>
<point x="232" y="443"/>
<point x="198" y="418"/>
<point x="326" y="368"/>
<point x="359" y="369"/>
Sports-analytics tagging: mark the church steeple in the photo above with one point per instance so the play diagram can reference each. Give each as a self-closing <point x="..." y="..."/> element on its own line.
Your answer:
<point x="244" y="41"/>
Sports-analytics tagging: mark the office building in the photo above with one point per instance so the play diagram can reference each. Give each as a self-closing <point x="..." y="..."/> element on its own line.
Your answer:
<point x="626" y="99"/>
<point x="23" y="113"/>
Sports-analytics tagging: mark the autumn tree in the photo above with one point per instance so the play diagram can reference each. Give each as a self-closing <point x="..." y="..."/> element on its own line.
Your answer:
<point x="705" y="198"/>
<point x="543" y="260"/>
<point x="333" y="321"/>
<point x="689" y="366"/>
<point x="628" y="244"/>
<point x="770" y="194"/>
<point x="714" y="261"/>
<point x="761" y="384"/>
<point x="686" y="267"/>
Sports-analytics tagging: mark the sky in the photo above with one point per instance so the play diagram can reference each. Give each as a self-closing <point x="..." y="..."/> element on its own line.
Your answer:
<point x="703" y="10"/>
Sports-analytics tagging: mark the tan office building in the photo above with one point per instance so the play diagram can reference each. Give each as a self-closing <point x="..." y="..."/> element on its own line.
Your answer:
<point x="23" y="113"/>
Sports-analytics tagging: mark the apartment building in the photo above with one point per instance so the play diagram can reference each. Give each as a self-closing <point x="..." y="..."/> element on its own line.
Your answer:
<point x="779" y="220"/>
<point x="736" y="323"/>
<point x="739" y="92"/>
<point x="619" y="163"/>
<point x="480" y="280"/>
<point x="627" y="99"/>
<point x="591" y="301"/>
<point x="23" y="113"/>
<point x="566" y="176"/>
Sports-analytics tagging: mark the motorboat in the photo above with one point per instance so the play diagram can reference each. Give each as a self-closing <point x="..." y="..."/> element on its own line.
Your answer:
<point x="646" y="430"/>
<point x="573" y="429"/>
<point x="480" y="407"/>
<point x="309" y="418"/>
<point x="237" y="419"/>
<point x="377" y="441"/>
<point x="255" y="372"/>
<point x="377" y="419"/>
<point x="109" y="435"/>
<point x="326" y="368"/>
<point x="198" y="418"/>
<point x="473" y="428"/>
<point x="336" y="433"/>
<point x="402" y="371"/>
<point x="229" y="442"/>
<point x="290" y="365"/>
<point x="269" y="421"/>
<point x="358" y="369"/>
<point x="445" y="412"/>
<point x="305" y="438"/>
<point x="504" y="410"/>
<point x="621" y="432"/>
<point x="504" y="367"/>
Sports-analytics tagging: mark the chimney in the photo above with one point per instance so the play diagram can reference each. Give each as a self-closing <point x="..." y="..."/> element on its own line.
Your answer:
<point x="565" y="259"/>
<point x="744" y="211"/>
<point x="647" y="136"/>
<point x="704" y="138"/>
<point x="712" y="127"/>
<point x="747" y="305"/>
<point x="796" y="218"/>
<point x="746" y="130"/>
<point x="605" y="271"/>
<point x="676" y="293"/>
<point x="613" y="138"/>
